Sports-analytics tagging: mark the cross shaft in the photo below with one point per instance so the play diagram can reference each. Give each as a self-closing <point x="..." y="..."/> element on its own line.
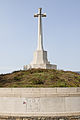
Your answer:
<point x="40" y="35"/>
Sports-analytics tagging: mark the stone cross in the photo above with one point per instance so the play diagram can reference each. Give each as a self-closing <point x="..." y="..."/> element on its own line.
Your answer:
<point x="40" y="35"/>
<point x="40" y="59"/>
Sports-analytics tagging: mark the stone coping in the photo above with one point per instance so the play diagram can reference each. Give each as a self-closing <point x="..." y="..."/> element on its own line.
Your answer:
<point x="39" y="92"/>
<point x="36" y="114"/>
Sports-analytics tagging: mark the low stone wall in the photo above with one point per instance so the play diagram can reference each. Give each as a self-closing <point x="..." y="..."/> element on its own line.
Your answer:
<point x="47" y="103"/>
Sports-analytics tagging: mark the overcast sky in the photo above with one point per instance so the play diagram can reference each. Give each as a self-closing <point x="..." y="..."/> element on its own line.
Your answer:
<point x="18" y="33"/>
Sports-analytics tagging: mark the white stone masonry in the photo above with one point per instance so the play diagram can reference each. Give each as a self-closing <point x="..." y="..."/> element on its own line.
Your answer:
<point x="40" y="55"/>
<point x="40" y="101"/>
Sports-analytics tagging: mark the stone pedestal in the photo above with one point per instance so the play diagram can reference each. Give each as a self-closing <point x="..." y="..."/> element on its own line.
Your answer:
<point x="40" y="61"/>
<point x="40" y="57"/>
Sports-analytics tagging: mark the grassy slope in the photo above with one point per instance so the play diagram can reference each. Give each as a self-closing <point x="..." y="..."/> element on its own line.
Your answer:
<point x="40" y="78"/>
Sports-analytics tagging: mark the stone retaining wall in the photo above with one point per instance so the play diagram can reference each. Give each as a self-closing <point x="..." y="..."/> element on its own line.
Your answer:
<point x="27" y="102"/>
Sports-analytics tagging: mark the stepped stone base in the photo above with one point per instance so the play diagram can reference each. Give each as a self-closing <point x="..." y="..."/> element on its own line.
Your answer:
<point x="40" y="61"/>
<point x="42" y="66"/>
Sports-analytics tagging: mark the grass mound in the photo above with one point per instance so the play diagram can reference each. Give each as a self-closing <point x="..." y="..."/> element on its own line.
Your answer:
<point x="40" y="78"/>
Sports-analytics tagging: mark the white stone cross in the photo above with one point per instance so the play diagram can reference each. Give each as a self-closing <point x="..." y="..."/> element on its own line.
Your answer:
<point x="40" y="35"/>
<point x="40" y="59"/>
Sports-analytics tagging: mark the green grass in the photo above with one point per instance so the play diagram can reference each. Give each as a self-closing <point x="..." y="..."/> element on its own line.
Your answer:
<point x="40" y="78"/>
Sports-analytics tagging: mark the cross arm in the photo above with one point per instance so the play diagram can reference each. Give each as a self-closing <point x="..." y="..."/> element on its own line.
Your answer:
<point x="35" y="15"/>
<point x="44" y="15"/>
